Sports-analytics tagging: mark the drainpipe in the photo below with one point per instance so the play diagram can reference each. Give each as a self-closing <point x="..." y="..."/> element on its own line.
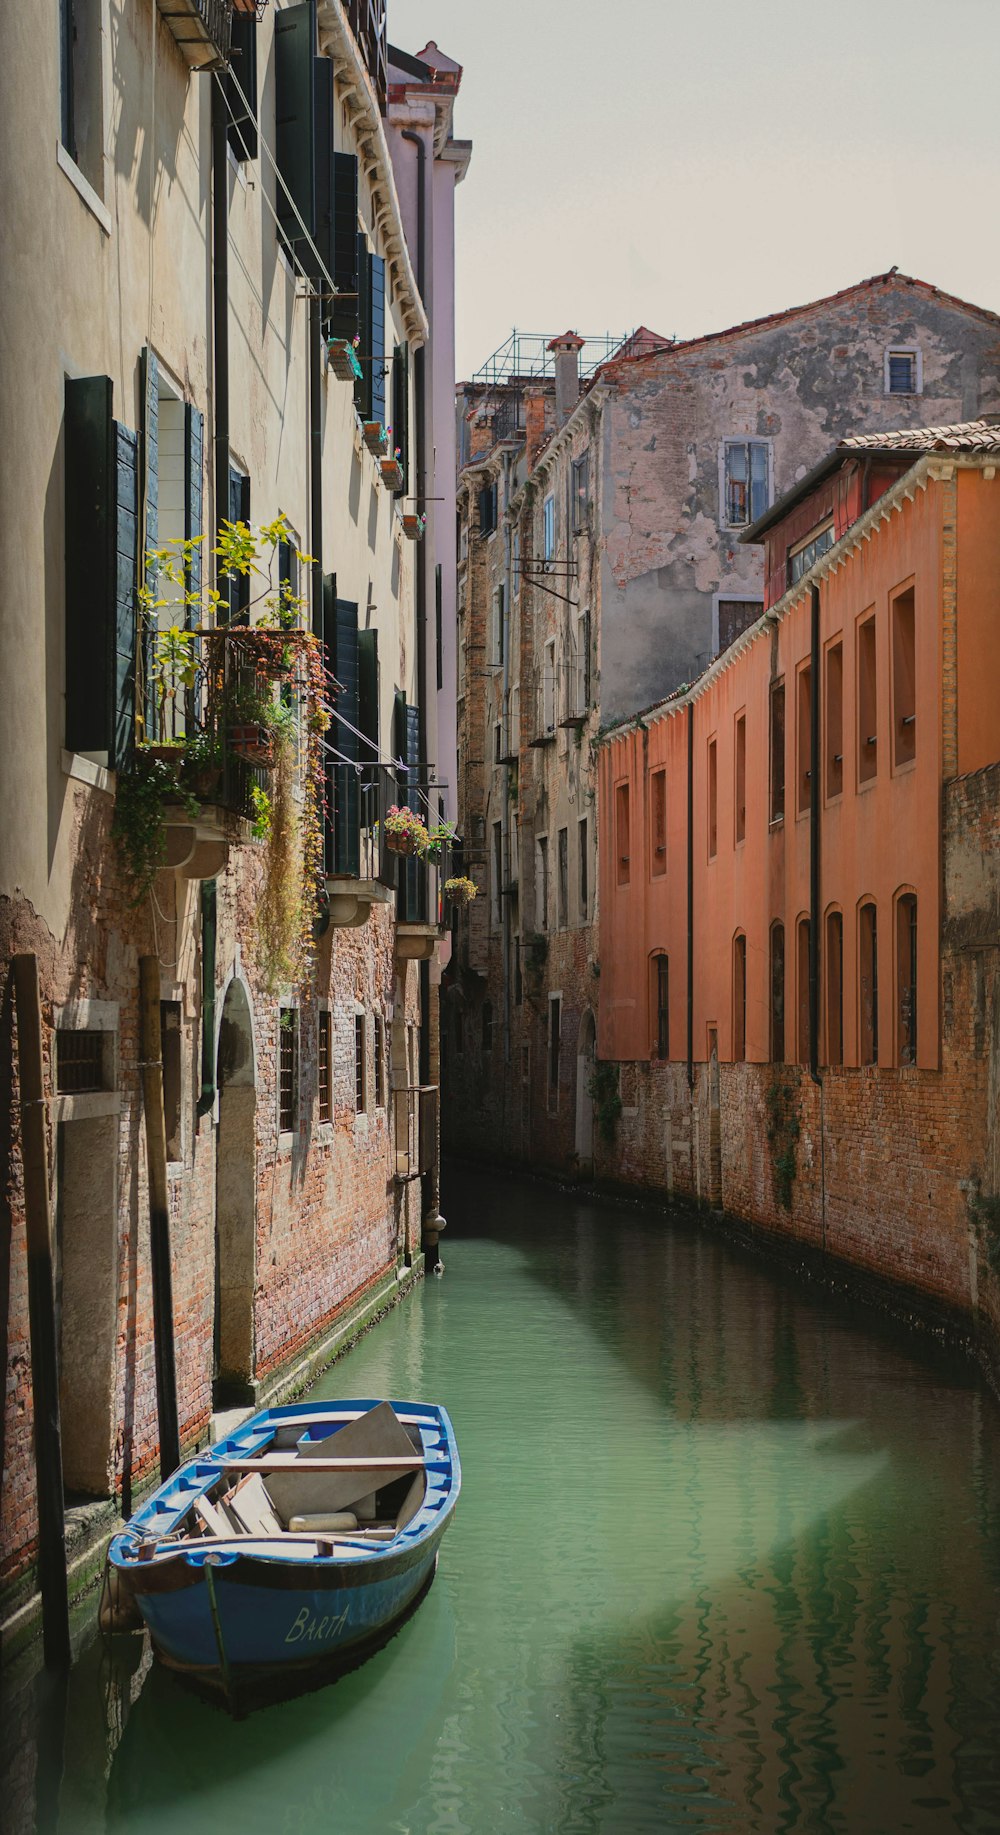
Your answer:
<point x="814" y="802"/>
<point x="507" y="460"/>
<point x="220" y="298"/>
<point x="690" y="896"/>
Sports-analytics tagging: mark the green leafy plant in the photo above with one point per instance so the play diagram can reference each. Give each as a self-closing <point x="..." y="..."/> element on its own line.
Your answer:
<point x="441" y="836"/>
<point x="139" y="825"/>
<point x="405" y="830"/>
<point x="260" y="803"/>
<point x="604" y="1089"/>
<point x="280" y="908"/>
<point x="783" y="1130"/>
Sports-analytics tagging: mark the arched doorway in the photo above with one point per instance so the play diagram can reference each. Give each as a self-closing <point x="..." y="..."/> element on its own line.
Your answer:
<point x="235" y="1200"/>
<point x="584" y="1100"/>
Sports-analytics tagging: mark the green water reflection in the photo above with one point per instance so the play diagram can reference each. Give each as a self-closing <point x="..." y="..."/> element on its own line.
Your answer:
<point x="725" y="1560"/>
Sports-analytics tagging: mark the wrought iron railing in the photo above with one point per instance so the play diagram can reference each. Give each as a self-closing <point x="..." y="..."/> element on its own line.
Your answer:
<point x="415" y="1129"/>
<point x="359" y="795"/>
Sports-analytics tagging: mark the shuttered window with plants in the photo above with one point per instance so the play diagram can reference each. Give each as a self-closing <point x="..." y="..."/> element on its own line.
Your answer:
<point x="412" y="880"/>
<point x="369" y="389"/>
<point x="343" y="840"/>
<point x="102" y="536"/>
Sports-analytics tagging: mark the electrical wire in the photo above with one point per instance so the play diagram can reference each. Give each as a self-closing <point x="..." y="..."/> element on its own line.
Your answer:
<point x="254" y="115"/>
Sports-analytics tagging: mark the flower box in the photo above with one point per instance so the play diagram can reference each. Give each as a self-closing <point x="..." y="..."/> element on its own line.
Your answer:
<point x="392" y="474"/>
<point x="413" y="527"/>
<point x="376" y="438"/>
<point x="253" y="743"/>
<point x="460" y="891"/>
<point x="343" y="360"/>
<point x="405" y="831"/>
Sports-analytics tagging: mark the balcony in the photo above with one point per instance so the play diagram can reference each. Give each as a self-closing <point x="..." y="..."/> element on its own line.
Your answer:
<point x="360" y="869"/>
<point x="415" y="1130"/>
<point x="202" y="29"/>
<point x="574" y="697"/>
<point x="546" y="705"/>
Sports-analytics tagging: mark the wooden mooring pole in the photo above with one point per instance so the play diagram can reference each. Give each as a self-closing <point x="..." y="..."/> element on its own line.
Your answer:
<point x="159" y="1214"/>
<point x="42" y="1318"/>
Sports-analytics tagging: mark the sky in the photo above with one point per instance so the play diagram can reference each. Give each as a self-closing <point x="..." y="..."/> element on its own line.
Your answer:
<point x="687" y="164"/>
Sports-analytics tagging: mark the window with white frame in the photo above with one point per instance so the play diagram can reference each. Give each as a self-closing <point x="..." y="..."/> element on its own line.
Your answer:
<point x="548" y="528"/>
<point x="549" y="686"/>
<point x="746" y="491"/>
<point x="903" y="370"/>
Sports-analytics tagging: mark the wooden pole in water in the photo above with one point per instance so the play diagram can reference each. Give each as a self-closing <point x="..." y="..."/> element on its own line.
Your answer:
<point x="159" y="1215"/>
<point x="42" y="1318"/>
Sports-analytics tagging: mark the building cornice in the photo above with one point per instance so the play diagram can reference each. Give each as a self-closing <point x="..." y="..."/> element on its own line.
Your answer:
<point x="354" y="90"/>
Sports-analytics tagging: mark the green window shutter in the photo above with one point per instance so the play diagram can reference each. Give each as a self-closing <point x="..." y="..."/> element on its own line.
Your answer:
<point x="90" y="516"/>
<point x="363" y="385"/>
<point x="346" y="798"/>
<point x="239" y="511"/>
<point x="413" y="879"/>
<point x="150" y="446"/>
<point x="194" y="488"/>
<point x="242" y="128"/>
<point x="294" y="123"/>
<point x="401" y="410"/>
<point x="323" y="107"/>
<point x="125" y="576"/>
<point x="344" y="250"/>
<point x="368" y="691"/>
<point x="376" y="290"/>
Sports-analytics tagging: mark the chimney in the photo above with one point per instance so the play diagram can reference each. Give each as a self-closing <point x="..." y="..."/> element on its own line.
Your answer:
<point x="566" y="362"/>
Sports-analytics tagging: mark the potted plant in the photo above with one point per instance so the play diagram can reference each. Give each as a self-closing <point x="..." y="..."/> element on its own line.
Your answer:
<point x="460" y="890"/>
<point x="405" y="832"/>
<point x="414" y="526"/>
<point x="203" y="762"/>
<point x="343" y="360"/>
<point x="392" y="471"/>
<point x="440" y="837"/>
<point x="376" y="437"/>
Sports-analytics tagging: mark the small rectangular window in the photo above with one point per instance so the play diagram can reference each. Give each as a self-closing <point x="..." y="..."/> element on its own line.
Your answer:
<point x="581" y="492"/>
<point x="548" y="528"/>
<point x="360" y="1065"/>
<point x="170" y="1054"/>
<point x="584" y="872"/>
<point x="488" y="509"/>
<point x="901" y="373"/>
<point x="288" y="1069"/>
<point x="562" y="878"/>
<point x="868" y="983"/>
<point x="739" y="998"/>
<point x="324" y="1067"/>
<point x="904" y="686"/>
<point x="79" y="1062"/>
<point x="713" y="799"/>
<point x="805" y="758"/>
<point x="658" y="824"/>
<point x="867" y="702"/>
<point x="906" y="979"/>
<point x="746" y="482"/>
<point x="777" y="752"/>
<point x="622" y="854"/>
<point x="777" y="967"/>
<point x="740" y="786"/>
<point x="555" y="1029"/>
<point x="835" y="720"/>
<point x="834" y="988"/>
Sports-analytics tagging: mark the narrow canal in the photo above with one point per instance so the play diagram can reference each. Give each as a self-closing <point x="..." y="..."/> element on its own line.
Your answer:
<point x="726" y="1559"/>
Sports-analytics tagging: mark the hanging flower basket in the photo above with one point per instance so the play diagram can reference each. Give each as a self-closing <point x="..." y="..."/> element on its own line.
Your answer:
<point x="460" y="891"/>
<point x="405" y="833"/>
<point x="392" y="474"/>
<point x="376" y="438"/>
<point x="252" y="743"/>
<point x="414" y="526"/>
<point x="343" y="361"/>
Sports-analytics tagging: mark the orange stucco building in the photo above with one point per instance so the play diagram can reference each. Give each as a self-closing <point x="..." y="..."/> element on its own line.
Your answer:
<point x="800" y="865"/>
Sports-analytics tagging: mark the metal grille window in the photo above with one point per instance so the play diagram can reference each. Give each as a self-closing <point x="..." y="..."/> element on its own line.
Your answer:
<point x="868" y="983"/>
<point x="360" y="1103"/>
<point x="324" y="1078"/>
<point x="739" y="998"/>
<point x="906" y="971"/>
<point x="746" y="482"/>
<point x="79" y="1062"/>
<point x="735" y="617"/>
<point x="777" y="749"/>
<point x="288" y="1069"/>
<point x="562" y="878"/>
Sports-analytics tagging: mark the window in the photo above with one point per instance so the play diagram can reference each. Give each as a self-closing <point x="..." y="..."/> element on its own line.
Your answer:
<point x="739" y="998"/>
<point x="496" y="877"/>
<point x="805" y="759"/>
<point x="239" y="511"/>
<point x="713" y="799"/>
<point x="835" y="720"/>
<point x="82" y="126"/>
<point x="734" y="617"/>
<point x="658" y="824"/>
<point x="288" y="578"/>
<point x="549" y="687"/>
<point x="802" y="989"/>
<point x="548" y="528"/>
<point x="80" y="1062"/>
<point x="288" y="1069"/>
<point x="487" y="1028"/>
<point x="745" y="477"/>
<point x="555" y="1029"/>
<point x="562" y="878"/>
<point x="439" y="625"/>
<point x="488" y="509"/>
<point x="515" y="562"/>
<point x="583" y="866"/>
<point x="777" y="752"/>
<point x="904" y="687"/>
<point x="242" y="127"/>
<point x="801" y="558"/>
<point x="740" y="786"/>
<point x="580" y="688"/>
<point x="622" y="857"/>
<point x="868" y="983"/>
<point x="834" y="988"/>
<point x="380" y="1062"/>
<point x="170" y="1057"/>
<point x="360" y="1065"/>
<point x="661" y="993"/>
<point x="906" y="979"/>
<point x="324" y="1080"/>
<point x="497" y="629"/>
<point x="903" y="371"/>
<point x="867" y="702"/>
<point x="777" y="968"/>
<point x="497" y="741"/>
<point x="580" y="474"/>
<point x="542" y="883"/>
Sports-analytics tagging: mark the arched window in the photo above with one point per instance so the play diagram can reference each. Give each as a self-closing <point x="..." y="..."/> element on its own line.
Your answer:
<point x="834" y="987"/>
<point x="802" y="990"/>
<point x="868" y="982"/>
<point x="739" y="996"/>
<point x="659" y="1002"/>
<point x="777" y="966"/>
<point x="906" y="978"/>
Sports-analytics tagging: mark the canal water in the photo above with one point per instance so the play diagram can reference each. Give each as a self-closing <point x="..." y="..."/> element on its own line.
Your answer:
<point x="727" y="1558"/>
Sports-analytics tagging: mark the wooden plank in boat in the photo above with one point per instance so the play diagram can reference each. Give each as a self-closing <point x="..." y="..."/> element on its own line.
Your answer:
<point x="291" y="1462"/>
<point x="335" y="1415"/>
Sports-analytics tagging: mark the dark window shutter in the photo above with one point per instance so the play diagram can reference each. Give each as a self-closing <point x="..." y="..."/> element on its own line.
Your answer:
<point x="239" y="511"/>
<point x="438" y="624"/>
<point x="294" y="122"/>
<point x="194" y="475"/>
<point x="368" y="691"/>
<point x="126" y="559"/>
<point x="242" y="129"/>
<point x="150" y="445"/>
<point x="363" y="386"/>
<point x="413" y="879"/>
<point x="376" y="287"/>
<point x="324" y="106"/>
<point x="90" y="517"/>
<point x="401" y="410"/>
<point x="346" y="788"/>
<point x="344" y="265"/>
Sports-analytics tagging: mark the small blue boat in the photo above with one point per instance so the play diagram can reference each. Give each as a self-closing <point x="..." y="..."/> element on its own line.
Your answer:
<point x="291" y="1549"/>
